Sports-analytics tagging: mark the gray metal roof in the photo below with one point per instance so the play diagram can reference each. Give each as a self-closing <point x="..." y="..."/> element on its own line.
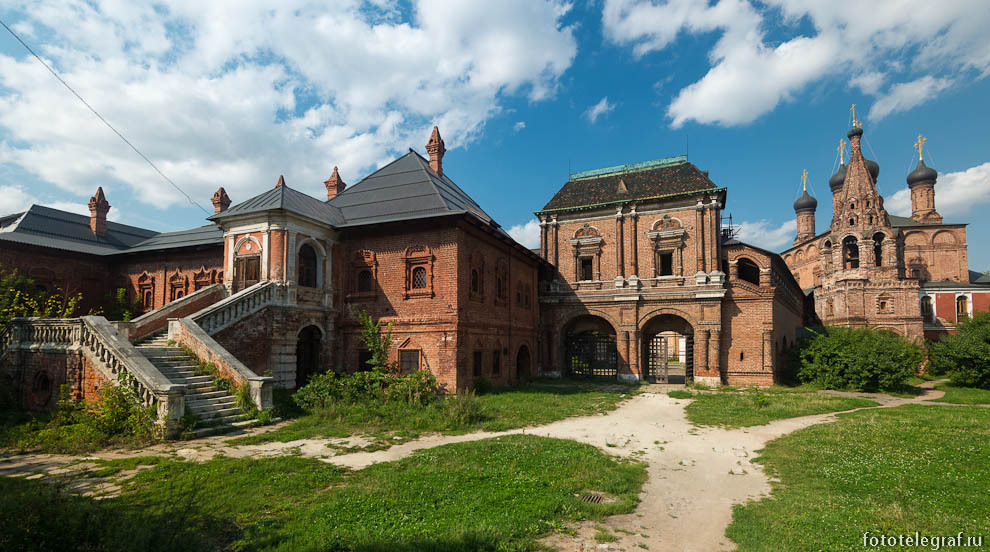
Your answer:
<point x="285" y="198"/>
<point x="904" y="222"/>
<point x="210" y="234"/>
<point x="405" y="189"/>
<point x="56" y="229"/>
<point x="979" y="277"/>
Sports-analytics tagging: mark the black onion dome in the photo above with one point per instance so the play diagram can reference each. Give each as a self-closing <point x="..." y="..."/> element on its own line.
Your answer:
<point x="805" y="203"/>
<point x="923" y="173"/>
<point x="873" y="167"/>
<point x="837" y="179"/>
<point x="855" y="131"/>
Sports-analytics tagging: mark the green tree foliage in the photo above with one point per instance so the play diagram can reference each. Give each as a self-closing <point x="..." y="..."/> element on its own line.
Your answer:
<point x="965" y="355"/>
<point x="855" y="358"/>
<point x="119" y="307"/>
<point x="377" y="341"/>
<point x="21" y="296"/>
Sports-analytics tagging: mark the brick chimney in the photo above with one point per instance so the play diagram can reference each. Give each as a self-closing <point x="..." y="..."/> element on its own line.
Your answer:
<point x="335" y="185"/>
<point x="220" y="201"/>
<point x="98" y="208"/>
<point x="436" y="150"/>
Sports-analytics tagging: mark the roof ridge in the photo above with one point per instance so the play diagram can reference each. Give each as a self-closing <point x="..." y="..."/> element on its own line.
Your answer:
<point x="373" y="173"/>
<point x="630" y="167"/>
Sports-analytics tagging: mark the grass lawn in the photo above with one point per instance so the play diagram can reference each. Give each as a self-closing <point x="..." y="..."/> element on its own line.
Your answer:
<point x="887" y="471"/>
<point x="493" y="494"/>
<point x="24" y="431"/>
<point x="733" y="408"/>
<point x="962" y="395"/>
<point x="500" y="409"/>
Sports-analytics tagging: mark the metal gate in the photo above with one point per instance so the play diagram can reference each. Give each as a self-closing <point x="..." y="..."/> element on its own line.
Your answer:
<point x="656" y="359"/>
<point x="592" y="354"/>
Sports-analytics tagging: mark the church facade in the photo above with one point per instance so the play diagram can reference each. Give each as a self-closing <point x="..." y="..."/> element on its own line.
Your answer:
<point x="909" y="275"/>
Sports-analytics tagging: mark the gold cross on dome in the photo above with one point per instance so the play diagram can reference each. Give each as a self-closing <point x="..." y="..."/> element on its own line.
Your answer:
<point x="853" y="111"/>
<point x="920" y="145"/>
<point x="804" y="179"/>
<point x="842" y="151"/>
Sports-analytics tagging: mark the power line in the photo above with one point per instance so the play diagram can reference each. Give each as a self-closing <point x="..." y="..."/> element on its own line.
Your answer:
<point x="100" y="117"/>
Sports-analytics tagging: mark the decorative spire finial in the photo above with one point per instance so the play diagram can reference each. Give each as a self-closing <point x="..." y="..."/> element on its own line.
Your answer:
<point x="920" y="145"/>
<point x="853" y="111"/>
<point x="842" y="151"/>
<point x="804" y="180"/>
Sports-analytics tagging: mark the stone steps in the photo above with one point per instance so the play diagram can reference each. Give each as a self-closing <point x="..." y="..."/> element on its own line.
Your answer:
<point x="215" y="409"/>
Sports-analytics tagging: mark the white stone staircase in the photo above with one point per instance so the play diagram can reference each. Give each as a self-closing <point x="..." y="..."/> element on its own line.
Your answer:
<point x="215" y="409"/>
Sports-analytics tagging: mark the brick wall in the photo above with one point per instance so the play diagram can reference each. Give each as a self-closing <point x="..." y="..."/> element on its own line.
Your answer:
<point x="936" y="253"/>
<point x="73" y="273"/>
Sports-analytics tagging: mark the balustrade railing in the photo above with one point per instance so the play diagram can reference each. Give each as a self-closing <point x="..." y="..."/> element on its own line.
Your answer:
<point x="114" y="356"/>
<point x="239" y="305"/>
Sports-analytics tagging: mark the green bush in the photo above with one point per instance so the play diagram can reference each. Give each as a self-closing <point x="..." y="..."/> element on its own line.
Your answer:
<point x="326" y="389"/>
<point x="855" y="358"/>
<point x="120" y="413"/>
<point x="463" y="410"/>
<point x="965" y="355"/>
<point x="483" y="385"/>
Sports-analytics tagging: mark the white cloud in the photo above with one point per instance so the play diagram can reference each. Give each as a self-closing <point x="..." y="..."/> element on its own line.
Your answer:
<point x="603" y="107"/>
<point x="956" y="193"/>
<point x="527" y="234"/>
<point x="235" y="93"/>
<point x="906" y="95"/>
<point x="14" y="199"/>
<point x="751" y="74"/>
<point x="518" y="126"/>
<point x="763" y="233"/>
<point x="869" y="82"/>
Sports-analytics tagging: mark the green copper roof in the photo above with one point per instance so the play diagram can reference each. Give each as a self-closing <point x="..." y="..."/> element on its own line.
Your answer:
<point x="630" y="167"/>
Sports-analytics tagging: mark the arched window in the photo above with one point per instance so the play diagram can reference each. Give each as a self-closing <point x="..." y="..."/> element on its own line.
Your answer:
<point x="307" y="266"/>
<point x="828" y="244"/>
<point x="850" y="253"/>
<point x="962" y="307"/>
<point x="364" y="281"/>
<point x="878" y="248"/>
<point x="749" y="271"/>
<point x="419" y="277"/>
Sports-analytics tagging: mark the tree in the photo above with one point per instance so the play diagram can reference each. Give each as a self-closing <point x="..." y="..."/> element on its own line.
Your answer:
<point x="21" y="296"/>
<point x="377" y="341"/>
<point x="965" y="355"/>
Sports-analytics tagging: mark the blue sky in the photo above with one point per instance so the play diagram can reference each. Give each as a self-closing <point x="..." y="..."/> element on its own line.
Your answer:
<point x="235" y="94"/>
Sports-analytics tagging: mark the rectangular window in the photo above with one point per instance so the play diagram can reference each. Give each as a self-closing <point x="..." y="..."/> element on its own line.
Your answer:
<point x="496" y="363"/>
<point x="408" y="361"/>
<point x="477" y="364"/>
<point x="364" y="357"/>
<point x="666" y="264"/>
<point x="586" y="264"/>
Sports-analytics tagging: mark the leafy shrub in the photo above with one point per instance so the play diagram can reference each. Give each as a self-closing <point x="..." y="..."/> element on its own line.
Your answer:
<point x="965" y="355"/>
<point x="377" y="341"/>
<point x="118" y="307"/>
<point x="321" y="391"/>
<point x="244" y="401"/>
<point x="120" y="413"/>
<point x="419" y="388"/>
<point x="22" y="296"/>
<point x="482" y="385"/>
<point x="324" y="390"/>
<point x="855" y="358"/>
<point x="464" y="409"/>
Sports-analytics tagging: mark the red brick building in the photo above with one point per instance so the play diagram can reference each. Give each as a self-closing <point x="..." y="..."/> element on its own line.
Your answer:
<point x="640" y="255"/>
<point x="405" y="244"/>
<point x="871" y="268"/>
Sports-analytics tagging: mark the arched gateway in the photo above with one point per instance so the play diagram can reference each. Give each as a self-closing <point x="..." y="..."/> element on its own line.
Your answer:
<point x="589" y="348"/>
<point x="668" y="349"/>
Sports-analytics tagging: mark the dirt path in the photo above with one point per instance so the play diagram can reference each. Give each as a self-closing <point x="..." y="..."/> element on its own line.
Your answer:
<point x="696" y="474"/>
